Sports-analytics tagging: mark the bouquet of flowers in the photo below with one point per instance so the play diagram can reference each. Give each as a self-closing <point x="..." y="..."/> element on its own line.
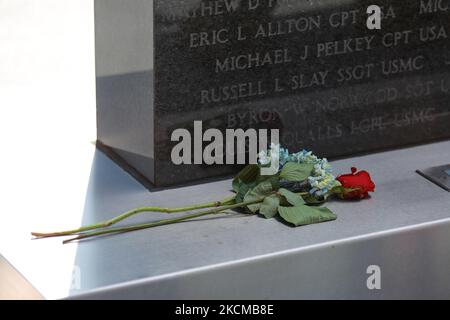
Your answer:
<point x="296" y="194"/>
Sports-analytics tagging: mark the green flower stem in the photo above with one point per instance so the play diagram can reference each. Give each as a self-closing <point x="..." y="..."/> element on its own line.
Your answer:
<point x="134" y="212"/>
<point x="162" y="222"/>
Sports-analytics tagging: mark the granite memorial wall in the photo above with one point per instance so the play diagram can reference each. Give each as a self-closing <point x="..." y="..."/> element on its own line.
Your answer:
<point x="313" y="69"/>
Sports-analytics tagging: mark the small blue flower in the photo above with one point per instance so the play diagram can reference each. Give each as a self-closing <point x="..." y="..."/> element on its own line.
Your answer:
<point x="322" y="180"/>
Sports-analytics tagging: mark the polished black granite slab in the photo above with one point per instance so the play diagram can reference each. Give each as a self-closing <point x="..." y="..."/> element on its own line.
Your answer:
<point x="309" y="68"/>
<point x="439" y="175"/>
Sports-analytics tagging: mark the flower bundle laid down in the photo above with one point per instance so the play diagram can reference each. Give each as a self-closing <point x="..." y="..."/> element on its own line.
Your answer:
<point x="296" y="194"/>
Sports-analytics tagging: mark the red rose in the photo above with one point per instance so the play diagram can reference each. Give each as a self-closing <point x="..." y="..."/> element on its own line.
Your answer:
<point x="356" y="185"/>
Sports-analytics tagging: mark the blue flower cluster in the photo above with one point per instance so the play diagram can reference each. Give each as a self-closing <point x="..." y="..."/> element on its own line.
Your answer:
<point x="322" y="180"/>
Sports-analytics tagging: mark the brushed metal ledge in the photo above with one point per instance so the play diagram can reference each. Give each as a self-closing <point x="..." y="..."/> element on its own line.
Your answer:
<point x="404" y="229"/>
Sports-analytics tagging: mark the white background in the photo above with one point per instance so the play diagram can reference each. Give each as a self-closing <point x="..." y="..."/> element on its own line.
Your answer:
<point x="47" y="124"/>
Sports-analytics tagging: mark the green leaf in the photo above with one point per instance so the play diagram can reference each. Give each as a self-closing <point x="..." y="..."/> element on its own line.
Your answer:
<point x="296" y="172"/>
<point x="274" y="180"/>
<point x="304" y="215"/>
<point x="312" y="200"/>
<point x="242" y="191"/>
<point x="292" y="198"/>
<point x="249" y="176"/>
<point x="259" y="192"/>
<point x="236" y="184"/>
<point x="269" y="207"/>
